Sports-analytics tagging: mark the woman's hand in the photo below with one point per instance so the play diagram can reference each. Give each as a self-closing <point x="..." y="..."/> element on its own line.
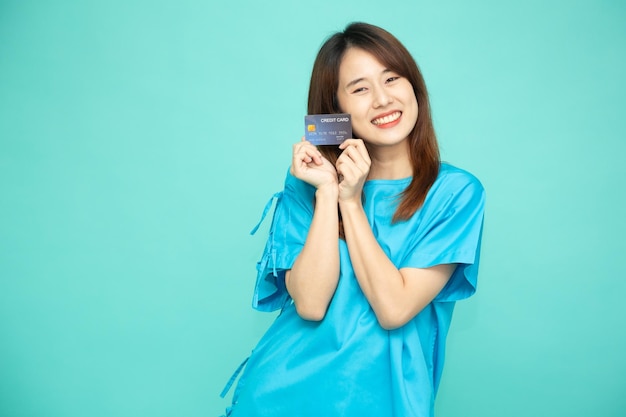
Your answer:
<point x="353" y="166"/>
<point x="310" y="166"/>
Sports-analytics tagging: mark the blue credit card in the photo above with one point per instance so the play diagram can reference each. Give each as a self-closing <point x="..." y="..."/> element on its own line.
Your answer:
<point x="327" y="129"/>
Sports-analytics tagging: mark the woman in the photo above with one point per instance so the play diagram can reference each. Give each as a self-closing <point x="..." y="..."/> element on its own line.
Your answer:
<point x="371" y="244"/>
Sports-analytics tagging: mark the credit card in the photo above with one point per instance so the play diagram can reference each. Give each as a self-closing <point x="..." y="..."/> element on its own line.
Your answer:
<point x="327" y="129"/>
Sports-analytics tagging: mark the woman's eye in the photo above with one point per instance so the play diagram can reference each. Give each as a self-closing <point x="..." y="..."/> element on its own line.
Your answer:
<point x="359" y="90"/>
<point x="392" y="79"/>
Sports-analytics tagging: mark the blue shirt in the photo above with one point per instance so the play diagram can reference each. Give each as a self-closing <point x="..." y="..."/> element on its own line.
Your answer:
<point x="347" y="365"/>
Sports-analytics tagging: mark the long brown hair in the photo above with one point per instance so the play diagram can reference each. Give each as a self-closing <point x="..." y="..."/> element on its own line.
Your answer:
<point x="423" y="148"/>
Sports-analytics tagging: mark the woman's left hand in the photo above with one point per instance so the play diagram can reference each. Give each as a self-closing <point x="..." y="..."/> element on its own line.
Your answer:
<point x="353" y="166"/>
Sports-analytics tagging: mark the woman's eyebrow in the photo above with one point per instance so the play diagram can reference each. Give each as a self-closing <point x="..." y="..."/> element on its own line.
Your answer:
<point x="353" y="82"/>
<point x="358" y="80"/>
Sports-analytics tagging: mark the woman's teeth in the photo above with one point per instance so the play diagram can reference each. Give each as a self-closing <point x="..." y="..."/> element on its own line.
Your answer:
<point x="387" y="119"/>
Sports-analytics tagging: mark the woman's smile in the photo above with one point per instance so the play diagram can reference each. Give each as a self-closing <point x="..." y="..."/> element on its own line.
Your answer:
<point x="388" y="120"/>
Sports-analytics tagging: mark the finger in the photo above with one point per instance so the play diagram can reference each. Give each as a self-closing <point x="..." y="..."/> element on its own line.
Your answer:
<point x="304" y="151"/>
<point x="350" y="142"/>
<point x="349" y="171"/>
<point x="313" y="153"/>
<point x="360" y="146"/>
<point x="299" y="152"/>
<point x="360" y="160"/>
<point x="305" y="144"/>
<point x="300" y="159"/>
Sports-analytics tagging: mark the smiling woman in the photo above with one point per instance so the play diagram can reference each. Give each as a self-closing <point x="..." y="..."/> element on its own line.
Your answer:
<point x="371" y="244"/>
<point x="378" y="99"/>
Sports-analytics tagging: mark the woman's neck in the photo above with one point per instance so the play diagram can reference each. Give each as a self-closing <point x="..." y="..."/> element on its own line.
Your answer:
<point x="390" y="163"/>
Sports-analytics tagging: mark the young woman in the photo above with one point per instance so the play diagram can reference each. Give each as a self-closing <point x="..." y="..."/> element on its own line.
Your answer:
<point x="371" y="244"/>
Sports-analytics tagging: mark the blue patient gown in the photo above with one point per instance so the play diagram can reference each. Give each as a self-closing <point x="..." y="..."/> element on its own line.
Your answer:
<point x="347" y="365"/>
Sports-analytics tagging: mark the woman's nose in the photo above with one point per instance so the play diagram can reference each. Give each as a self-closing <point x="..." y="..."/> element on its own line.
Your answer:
<point x="381" y="97"/>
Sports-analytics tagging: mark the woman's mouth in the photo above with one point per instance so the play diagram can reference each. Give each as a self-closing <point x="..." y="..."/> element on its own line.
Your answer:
<point x="388" y="119"/>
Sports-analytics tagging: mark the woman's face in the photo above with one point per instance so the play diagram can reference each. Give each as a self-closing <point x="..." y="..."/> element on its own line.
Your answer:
<point x="382" y="104"/>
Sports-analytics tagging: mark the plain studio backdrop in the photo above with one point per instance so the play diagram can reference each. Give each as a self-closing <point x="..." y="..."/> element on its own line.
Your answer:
<point x="140" y="141"/>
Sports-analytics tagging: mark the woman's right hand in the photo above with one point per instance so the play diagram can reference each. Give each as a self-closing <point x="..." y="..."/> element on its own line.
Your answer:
<point x="310" y="166"/>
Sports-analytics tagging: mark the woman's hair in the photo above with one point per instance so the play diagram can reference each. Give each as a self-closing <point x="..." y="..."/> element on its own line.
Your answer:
<point x="423" y="149"/>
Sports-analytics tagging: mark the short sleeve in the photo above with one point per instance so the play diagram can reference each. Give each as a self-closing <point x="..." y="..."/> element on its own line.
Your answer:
<point x="452" y="231"/>
<point x="290" y="224"/>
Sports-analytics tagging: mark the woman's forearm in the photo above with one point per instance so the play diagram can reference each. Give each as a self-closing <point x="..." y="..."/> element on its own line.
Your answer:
<point x="313" y="279"/>
<point x="396" y="296"/>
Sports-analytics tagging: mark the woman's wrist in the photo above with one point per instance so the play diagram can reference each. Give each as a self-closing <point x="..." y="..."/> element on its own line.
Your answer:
<point x="348" y="205"/>
<point x="328" y="191"/>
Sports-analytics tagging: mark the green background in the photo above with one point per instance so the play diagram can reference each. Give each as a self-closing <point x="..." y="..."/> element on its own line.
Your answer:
<point x="140" y="140"/>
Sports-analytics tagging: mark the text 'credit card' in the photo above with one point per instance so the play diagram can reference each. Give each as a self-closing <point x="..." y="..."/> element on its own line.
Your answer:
<point x="327" y="129"/>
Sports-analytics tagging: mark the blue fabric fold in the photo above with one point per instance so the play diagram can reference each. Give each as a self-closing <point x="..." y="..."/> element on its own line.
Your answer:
<point x="233" y="378"/>
<point x="276" y="197"/>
